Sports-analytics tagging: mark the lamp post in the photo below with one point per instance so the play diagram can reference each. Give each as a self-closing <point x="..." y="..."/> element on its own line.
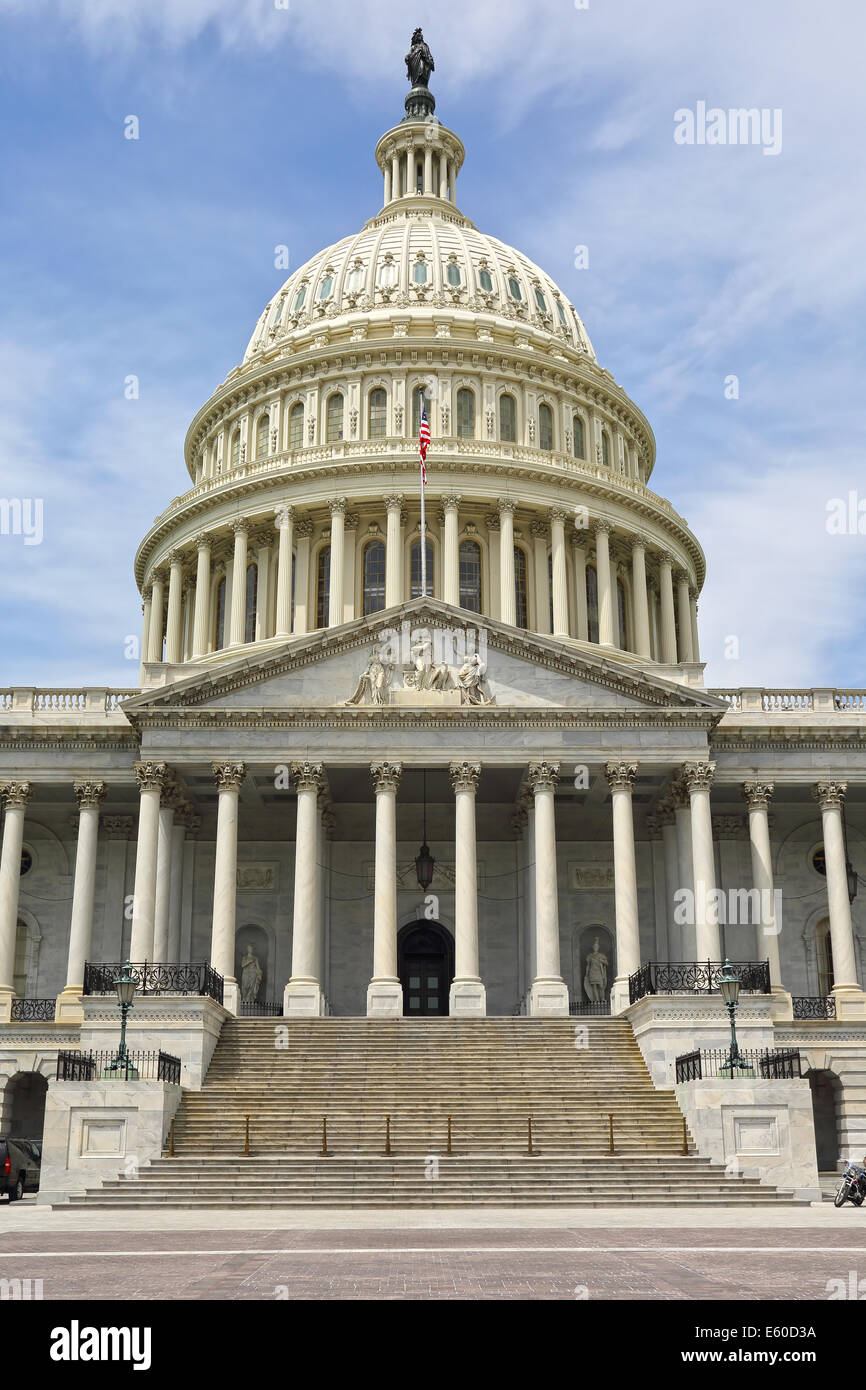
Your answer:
<point x="729" y="986"/>
<point x="126" y="985"/>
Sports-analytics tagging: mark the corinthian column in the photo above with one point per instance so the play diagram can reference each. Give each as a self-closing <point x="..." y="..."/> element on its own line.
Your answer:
<point x="150" y="777"/>
<point x="506" y="560"/>
<point x="684" y="613"/>
<point x="201" y="612"/>
<point x="384" y="992"/>
<point x="338" y="530"/>
<point x="393" y="552"/>
<point x="548" y="996"/>
<point x="578" y="550"/>
<point x="450" y="558"/>
<point x="239" y="584"/>
<point x="89" y="796"/>
<point x="849" y="1000"/>
<point x="757" y="796"/>
<point x="620" y="777"/>
<point x="468" y="995"/>
<point x="605" y="596"/>
<point x="15" y="797"/>
<point x="303" y="994"/>
<point x="162" y="902"/>
<point x="641" y="608"/>
<point x="283" y="516"/>
<point x="699" y="779"/>
<point x="157" y="614"/>
<point x="557" y="568"/>
<point x="174" y="630"/>
<point x="229" y="778"/>
<point x="666" y="593"/>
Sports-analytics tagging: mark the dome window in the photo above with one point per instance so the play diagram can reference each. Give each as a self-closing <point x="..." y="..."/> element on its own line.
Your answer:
<point x="545" y="427"/>
<point x="236" y="449"/>
<point x="605" y="449"/>
<point x="465" y="413"/>
<point x="327" y="286"/>
<point x="387" y="273"/>
<point x="300" y="299"/>
<point x="278" y="315"/>
<point x="377" y="412"/>
<point x="374" y="578"/>
<point x="262" y="429"/>
<point x="296" y="426"/>
<point x="579" y="437"/>
<point x="454" y="276"/>
<point x="469" y="563"/>
<point x="355" y="278"/>
<point x="561" y="312"/>
<point x="514" y="287"/>
<point x="485" y="280"/>
<point x="507" y="419"/>
<point x="419" y="273"/>
<point x="335" y="417"/>
<point x="540" y="300"/>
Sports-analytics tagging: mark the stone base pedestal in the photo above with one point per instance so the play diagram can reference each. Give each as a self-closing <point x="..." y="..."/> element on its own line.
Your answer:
<point x="548" y="999"/>
<point x="467" y="999"/>
<point x="850" y="1005"/>
<point x="232" y="997"/>
<point x="384" y="999"/>
<point x="70" y="1008"/>
<point x="303" y="999"/>
<point x="781" y="1006"/>
<point x="6" y="997"/>
<point x="619" y="1000"/>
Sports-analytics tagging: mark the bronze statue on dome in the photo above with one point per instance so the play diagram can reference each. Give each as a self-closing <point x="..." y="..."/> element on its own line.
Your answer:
<point x="419" y="61"/>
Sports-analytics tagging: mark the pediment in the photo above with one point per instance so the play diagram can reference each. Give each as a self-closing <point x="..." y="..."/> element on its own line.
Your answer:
<point x="424" y="654"/>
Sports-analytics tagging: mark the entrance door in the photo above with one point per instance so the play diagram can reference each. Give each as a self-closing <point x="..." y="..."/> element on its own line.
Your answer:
<point x="426" y="966"/>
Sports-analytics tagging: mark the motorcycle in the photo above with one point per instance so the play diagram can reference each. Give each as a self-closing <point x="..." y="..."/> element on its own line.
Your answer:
<point x="852" y="1187"/>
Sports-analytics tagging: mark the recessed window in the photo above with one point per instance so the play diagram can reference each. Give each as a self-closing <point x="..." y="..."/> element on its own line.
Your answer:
<point x="521" y="611"/>
<point x="335" y="417"/>
<point x="300" y="299"/>
<point x="561" y="312"/>
<point x="545" y="427"/>
<point x="454" y="276"/>
<point x="465" y="413"/>
<point x="514" y="288"/>
<point x="470" y="576"/>
<point x="419" y="273"/>
<point x="323" y="586"/>
<point x="220" y="633"/>
<point x="26" y="861"/>
<point x="605" y="449"/>
<point x="579" y="436"/>
<point x="415" y="568"/>
<point x="387" y="274"/>
<point x="541" y="301"/>
<point x="377" y="409"/>
<point x="374" y="577"/>
<point x="278" y="315"/>
<point x="485" y="280"/>
<point x="591" y="603"/>
<point x="236" y="448"/>
<point x="507" y="419"/>
<point x="355" y="279"/>
<point x="296" y="426"/>
<point x="327" y="286"/>
<point x="262" y="429"/>
<point x="250" y="603"/>
<point x="819" y="861"/>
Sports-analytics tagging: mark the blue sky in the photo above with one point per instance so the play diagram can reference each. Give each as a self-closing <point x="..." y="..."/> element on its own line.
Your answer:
<point x="257" y="125"/>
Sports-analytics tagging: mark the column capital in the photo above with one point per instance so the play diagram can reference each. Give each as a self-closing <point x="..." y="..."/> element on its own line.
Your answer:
<point x="118" y="827"/>
<point x="728" y="827"/>
<point x="337" y="506"/>
<point x="304" y="528"/>
<point x="157" y="576"/>
<point x="386" y="776"/>
<point x="308" y="777"/>
<point x="757" y="795"/>
<point x="393" y="501"/>
<point x="283" y="515"/>
<point x="539" y="529"/>
<point x="451" y="500"/>
<point x="150" y="776"/>
<point x="506" y="504"/>
<point x="601" y="526"/>
<point x="519" y="819"/>
<point x="241" y="526"/>
<point x="666" y="558"/>
<point x="261" y="540"/>
<point x="579" y="539"/>
<point x="89" y="795"/>
<point x="16" y="795"/>
<point x="491" y="521"/>
<point x="543" y="776"/>
<point x="664" y="812"/>
<point x="830" y="795"/>
<point x="620" y="775"/>
<point x="175" y="557"/>
<point x="699" y="776"/>
<point x="558" y="514"/>
<point x="638" y="543"/>
<point x="464" y="776"/>
<point x="352" y="521"/>
<point x="679" y="791"/>
<point x="203" y="541"/>
<point x="228" y="776"/>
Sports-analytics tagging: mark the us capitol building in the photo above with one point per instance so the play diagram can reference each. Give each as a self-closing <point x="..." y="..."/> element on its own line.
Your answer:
<point x="350" y="797"/>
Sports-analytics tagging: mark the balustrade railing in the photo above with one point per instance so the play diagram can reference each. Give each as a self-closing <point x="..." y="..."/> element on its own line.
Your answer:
<point x="260" y="1008"/>
<point x="696" y="977"/>
<point x="153" y="979"/>
<point x="770" y="1064"/>
<point x="815" y="701"/>
<point x="809" y="1006"/>
<point x="580" y="1007"/>
<point x="134" y="1066"/>
<point x="33" y="1010"/>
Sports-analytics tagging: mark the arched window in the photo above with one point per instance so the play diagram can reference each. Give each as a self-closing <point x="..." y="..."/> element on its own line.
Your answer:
<point x="470" y="576"/>
<point x="591" y="603"/>
<point x="416" y="410"/>
<point x="323" y="586"/>
<point x="514" y="287"/>
<point x="485" y="280"/>
<point x="415" y="569"/>
<point x="335" y="417"/>
<point x="579" y="437"/>
<point x="250" y="603"/>
<point x="605" y="448"/>
<point x="540" y="301"/>
<point x="374" y="577"/>
<point x="419" y="272"/>
<point x="296" y="426"/>
<point x="262" y="431"/>
<point x="454" y="275"/>
<point x="300" y="299"/>
<point x="521" y="608"/>
<point x="377" y="411"/>
<point x="326" y="287"/>
<point x="621" y="616"/>
<point x="545" y="427"/>
<point x="507" y="419"/>
<point x="236" y="449"/>
<point x="220" y="633"/>
<point x="465" y="413"/>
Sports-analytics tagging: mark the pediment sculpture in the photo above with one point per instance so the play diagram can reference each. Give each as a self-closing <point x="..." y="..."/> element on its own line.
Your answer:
<point x="422" y="674"/>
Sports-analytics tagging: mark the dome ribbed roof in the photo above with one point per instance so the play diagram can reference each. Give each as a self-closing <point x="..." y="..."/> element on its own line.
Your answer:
<point x="417" y="256"/>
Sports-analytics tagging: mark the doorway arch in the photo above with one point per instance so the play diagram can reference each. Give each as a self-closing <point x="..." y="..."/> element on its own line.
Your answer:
<point x="826" y="1105"/>
<point x="425" y="964"/>
<point x="24" y="1105"/>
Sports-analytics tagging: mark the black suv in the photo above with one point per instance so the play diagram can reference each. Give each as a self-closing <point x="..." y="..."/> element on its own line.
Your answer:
<point x="20" y="1161"/>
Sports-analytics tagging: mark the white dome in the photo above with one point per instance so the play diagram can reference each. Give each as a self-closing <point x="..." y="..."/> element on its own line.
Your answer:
<point x="418" y="255"/>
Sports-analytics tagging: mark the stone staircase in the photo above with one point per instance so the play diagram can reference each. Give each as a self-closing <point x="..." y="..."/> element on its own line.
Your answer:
<point x="489" y="1075"/>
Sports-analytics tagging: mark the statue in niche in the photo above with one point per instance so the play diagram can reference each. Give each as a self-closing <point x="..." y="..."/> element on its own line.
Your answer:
<point x="469" y="679"/>
<point x="595" y="975"/>
<point x="423" y="673"/>
<point x="251" y="976"/>
<point x="373" y="683"/>
<point x="419" y="61"/>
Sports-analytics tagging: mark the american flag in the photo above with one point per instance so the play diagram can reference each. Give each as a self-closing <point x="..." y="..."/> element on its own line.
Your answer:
<point x="423" y="442"/>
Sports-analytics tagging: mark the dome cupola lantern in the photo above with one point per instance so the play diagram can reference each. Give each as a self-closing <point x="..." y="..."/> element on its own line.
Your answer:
<point x="419" y="158"/>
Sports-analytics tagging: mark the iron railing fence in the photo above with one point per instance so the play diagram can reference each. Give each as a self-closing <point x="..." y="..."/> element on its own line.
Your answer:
<point x="135" y="1066"/>
<point x="771" y="1064"/>
<point x="812" y="1006"/>
<point x="581" y="1007"/>
<point x="696" y="977"/>
<point x="260" y="1008"/>
<point x="33" y="1010"/>
<point x="197" y="977"/>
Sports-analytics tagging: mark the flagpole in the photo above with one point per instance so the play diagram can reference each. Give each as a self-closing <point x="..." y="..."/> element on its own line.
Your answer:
<point x="423" y="514"/>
